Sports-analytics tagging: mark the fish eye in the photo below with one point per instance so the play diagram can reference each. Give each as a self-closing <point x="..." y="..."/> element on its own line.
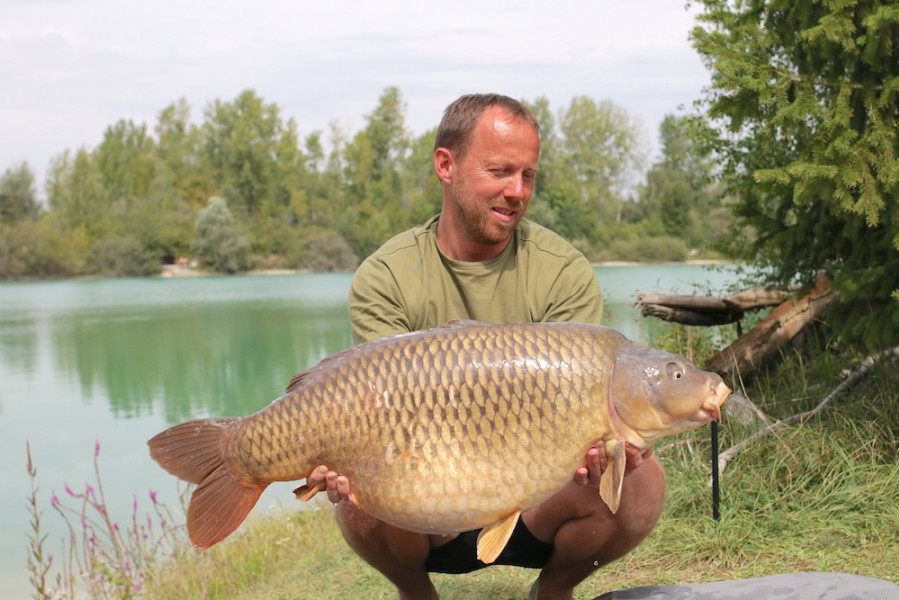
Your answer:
<point x="674" y="370"/>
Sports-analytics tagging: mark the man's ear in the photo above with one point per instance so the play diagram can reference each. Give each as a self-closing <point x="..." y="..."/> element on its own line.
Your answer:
<point x="444" y="165"/>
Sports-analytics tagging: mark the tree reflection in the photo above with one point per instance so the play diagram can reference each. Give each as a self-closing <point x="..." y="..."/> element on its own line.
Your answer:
<point x="195" y="359"/>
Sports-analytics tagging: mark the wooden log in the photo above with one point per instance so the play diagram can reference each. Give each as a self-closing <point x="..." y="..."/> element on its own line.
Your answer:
<point x="689" y="317"/>
<point x="706" y="310"/>
<point x="774" y="331"/>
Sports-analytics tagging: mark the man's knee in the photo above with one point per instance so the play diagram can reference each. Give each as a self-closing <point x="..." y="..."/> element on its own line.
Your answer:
<point x="643" y="498"/>
<point x="380" y="544"/>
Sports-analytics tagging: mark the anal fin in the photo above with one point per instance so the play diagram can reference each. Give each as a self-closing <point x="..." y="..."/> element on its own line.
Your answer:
<point x="494" y="537"/>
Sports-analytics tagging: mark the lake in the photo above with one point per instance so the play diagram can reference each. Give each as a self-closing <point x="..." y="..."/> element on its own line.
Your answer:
<point x="113" y="362"/>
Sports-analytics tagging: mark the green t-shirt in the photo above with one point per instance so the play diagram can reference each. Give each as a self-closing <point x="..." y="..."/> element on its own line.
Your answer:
<point x="408" y="284"/>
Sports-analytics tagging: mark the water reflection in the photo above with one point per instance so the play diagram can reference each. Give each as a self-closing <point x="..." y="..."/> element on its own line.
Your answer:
<point x="222" y="360"/>
<point x="18" y="348"/>
<point x="227" y="359"/>
<point x="143" y="349"/>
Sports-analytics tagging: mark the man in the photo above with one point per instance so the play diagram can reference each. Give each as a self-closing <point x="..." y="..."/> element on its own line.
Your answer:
<point x="479" y="259"/>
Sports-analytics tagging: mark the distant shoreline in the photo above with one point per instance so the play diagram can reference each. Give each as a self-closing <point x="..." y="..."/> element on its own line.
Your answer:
<point x="697" y="261"/>
<point x="175" y="271"/>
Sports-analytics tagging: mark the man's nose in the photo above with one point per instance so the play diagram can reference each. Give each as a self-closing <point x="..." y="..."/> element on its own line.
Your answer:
<point x="516" y="186"/>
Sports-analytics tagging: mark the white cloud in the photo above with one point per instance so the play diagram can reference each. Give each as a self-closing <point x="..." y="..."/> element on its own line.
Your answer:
<point x="70" y="69"/>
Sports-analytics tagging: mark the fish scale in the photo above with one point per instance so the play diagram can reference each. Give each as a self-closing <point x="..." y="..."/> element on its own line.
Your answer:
<point x="470" y="440"/>
<point x="449" y="429"/>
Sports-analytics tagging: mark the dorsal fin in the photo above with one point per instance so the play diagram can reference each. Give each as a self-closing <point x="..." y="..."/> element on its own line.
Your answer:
<point x="462" y="324"/>
<point x="298" y="379"/>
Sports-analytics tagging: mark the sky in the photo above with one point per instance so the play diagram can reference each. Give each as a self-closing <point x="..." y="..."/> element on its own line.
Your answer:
<point x="71" y="68"/>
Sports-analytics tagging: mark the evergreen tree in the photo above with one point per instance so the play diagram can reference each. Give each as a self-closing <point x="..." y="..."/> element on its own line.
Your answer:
<point x="808" y="96"/>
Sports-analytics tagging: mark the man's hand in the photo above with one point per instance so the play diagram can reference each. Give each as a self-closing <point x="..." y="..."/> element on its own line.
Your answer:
<point x="336" y="485"/>
<point x="595" y="462"/>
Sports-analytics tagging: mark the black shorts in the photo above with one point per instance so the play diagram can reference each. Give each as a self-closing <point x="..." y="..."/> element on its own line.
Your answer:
<point x="461" y="554"/>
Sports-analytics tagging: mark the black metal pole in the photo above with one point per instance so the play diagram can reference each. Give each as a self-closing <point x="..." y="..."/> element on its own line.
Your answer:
<point x="716" y="491"/>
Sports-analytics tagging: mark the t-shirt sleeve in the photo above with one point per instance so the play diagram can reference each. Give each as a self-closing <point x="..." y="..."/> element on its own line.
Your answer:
<point x="575" y="294"/>
<point x="375" y="303"/>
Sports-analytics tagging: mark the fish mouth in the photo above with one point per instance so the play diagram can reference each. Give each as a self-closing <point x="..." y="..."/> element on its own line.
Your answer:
<point x="711" y="408"/>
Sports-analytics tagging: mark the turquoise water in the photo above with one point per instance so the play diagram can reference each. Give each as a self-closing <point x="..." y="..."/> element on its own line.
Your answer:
<point x="113" y="362"/>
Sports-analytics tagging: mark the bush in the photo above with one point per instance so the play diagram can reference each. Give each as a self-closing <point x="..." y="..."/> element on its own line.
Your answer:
<point x="218" y="243"/>
<point x="326" y="251"/>
<point x="649" y="250"/>
<point x="122" y="257"/>
<point x="39" y="248"/>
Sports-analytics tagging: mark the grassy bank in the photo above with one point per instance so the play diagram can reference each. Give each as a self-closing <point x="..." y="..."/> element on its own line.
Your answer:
<point x="820" y="496"/>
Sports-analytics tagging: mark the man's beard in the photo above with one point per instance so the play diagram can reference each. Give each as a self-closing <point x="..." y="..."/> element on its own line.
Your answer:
<point x="474" y="214"/>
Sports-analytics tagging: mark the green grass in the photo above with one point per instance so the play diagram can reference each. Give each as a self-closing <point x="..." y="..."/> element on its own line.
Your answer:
<point x="820" y="496"/>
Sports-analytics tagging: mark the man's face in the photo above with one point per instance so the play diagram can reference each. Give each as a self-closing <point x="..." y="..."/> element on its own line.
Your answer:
<point x="494" y="179"/>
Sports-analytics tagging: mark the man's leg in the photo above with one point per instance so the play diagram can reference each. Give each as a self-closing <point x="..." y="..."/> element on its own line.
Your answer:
<point x="585" y="533"/>
<point x="398" y="554"/>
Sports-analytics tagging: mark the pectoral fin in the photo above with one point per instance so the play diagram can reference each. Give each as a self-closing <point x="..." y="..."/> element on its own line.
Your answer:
<point x="494" y="538"/>
<point x="305" y="493"/>
<point x="613" y="477"/>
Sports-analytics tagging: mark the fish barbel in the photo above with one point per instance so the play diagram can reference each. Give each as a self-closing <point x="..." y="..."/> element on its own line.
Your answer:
<point x="449" y="429"/>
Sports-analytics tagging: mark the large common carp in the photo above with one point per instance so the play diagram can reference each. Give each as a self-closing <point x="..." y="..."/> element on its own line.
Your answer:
<point x="449" y="429"/>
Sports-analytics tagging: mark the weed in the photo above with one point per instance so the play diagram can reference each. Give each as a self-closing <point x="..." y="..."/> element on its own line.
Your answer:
<point x="39" y="563"/>
<point x="101" y="558"/>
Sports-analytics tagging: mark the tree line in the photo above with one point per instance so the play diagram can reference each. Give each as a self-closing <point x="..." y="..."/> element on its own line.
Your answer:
<point x="790" y="163"/>
<point x="243" y="190"/>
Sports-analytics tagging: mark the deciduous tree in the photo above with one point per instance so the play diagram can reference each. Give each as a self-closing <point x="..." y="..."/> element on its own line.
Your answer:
<point x="18" y="199"/>
<point x="243" y="144"/>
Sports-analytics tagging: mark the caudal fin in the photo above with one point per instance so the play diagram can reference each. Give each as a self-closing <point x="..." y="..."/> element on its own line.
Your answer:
<point x="192" y="451"/>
